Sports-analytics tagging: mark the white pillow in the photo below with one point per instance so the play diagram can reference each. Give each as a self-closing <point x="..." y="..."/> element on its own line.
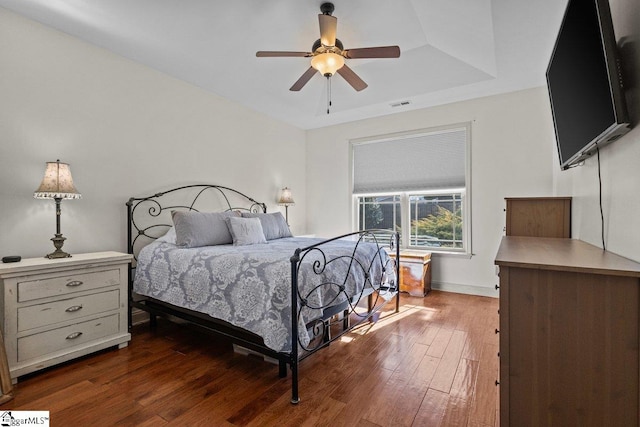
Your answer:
<point x="245" y="231"/>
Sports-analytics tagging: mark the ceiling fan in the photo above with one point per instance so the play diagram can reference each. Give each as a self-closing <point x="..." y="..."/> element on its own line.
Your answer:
<point x="328" y="54"/>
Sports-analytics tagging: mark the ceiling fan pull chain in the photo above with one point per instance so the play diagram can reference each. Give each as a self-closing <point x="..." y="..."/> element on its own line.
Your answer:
<point x="328" y="93"/>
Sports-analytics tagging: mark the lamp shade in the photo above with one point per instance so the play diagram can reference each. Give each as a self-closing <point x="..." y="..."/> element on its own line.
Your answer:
<point x="57" y="183"/>
<point x="327" y="63"/>
<point x="286" y="198"/>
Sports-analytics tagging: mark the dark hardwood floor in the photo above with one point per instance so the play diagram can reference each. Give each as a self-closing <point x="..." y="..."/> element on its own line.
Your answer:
<point x="433" y="364"/>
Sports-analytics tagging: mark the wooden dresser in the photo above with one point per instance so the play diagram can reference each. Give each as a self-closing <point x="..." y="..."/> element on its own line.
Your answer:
<point x="569" y="334"/>
<point x="54" y="310"/>
<point x="538" y="216"/>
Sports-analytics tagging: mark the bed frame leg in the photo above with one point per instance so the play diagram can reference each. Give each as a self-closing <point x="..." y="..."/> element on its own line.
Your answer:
<point x="295" y="398"/>
<point x="293" y="357"/>
<point x="153" y="320"/>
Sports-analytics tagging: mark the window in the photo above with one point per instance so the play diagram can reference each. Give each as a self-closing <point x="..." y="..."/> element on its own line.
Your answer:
<point x="418" y="184"/>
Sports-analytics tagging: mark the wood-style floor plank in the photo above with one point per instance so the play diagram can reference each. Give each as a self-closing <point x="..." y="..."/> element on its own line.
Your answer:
<point x="432" y="410"/>
<point x="465" y="380"/>
<point x="483" y="409"/>
<point x="380" y="410"/>
<point x="433" y="364"/>
<point x="449" y="362"/>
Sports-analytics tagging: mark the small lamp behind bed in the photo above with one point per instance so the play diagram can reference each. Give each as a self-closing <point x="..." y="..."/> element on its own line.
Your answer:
<point x="286" y="200"/>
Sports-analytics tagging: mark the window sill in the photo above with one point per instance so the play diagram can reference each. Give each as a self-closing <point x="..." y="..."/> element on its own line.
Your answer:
<point x="436" y="252"/>
<point x="446" y="254"/>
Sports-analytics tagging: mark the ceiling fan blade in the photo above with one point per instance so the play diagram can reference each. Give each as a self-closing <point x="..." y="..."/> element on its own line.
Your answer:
<point x="328" y="26"/>
<point x="303" y="79"/>
<point x="373" y="52"/>
<point x="352" y="78"/>
<point x="275" y="53"/>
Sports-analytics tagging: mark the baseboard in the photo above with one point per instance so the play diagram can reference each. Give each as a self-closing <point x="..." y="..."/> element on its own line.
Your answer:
<point x="482" y="291"/>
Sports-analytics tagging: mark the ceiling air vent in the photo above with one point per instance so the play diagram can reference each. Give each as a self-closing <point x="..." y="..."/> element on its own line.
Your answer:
<point x="400" y="104"/>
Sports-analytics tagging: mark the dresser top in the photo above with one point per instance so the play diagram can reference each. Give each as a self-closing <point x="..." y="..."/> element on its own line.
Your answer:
<point x="539" y="198"/>
<point x="39" y="264"/>
<point x="546" y="253"/>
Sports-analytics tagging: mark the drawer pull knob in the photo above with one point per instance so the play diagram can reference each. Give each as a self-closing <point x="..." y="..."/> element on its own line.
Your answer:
<point x="73" y="308"/>
<point x="497" y="383"/>
<point x="497" y="330"/>
<point x="74" y="335"/>
<point x="74" y="283"/>
<point x="497" y="287"/>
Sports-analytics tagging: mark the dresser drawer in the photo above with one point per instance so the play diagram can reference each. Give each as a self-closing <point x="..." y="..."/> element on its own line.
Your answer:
<point x="44" y="343"/>
<point x="48" y="286"/>
<point x="54" y="312"/>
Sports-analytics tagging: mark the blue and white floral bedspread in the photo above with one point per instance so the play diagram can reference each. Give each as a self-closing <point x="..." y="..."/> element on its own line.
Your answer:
<point x="250" y="286"/>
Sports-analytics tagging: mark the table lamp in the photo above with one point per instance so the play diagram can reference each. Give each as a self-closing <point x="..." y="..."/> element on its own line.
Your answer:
<point x="57" y="184"/>
<point x="286" y="200"/>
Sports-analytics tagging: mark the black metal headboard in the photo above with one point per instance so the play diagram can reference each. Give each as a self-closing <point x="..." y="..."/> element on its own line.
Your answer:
<point x="150" y="217"/>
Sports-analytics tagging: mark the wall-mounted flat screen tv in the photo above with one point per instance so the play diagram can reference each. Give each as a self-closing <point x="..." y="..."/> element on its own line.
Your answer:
<point x="585" y="84"/>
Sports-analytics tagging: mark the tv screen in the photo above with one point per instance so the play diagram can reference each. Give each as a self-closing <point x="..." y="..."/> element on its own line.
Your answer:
<point x="584" y="82"/>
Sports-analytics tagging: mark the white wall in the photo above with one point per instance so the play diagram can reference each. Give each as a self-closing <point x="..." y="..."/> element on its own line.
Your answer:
<point x="512" y="156"/>
<point x="619" y="161"/>
<point x="127" y="131"/>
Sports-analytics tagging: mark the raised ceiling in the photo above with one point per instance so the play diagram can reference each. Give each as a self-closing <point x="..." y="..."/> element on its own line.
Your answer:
<point x="451" y="49"/>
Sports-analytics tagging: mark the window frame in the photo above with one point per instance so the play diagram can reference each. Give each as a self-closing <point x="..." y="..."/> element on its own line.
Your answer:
<point x="405" y="204"/>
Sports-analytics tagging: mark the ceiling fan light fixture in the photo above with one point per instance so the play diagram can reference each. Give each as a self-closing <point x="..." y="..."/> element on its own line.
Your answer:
<point x="327" y="63"/>
<point x="328" y="55"/>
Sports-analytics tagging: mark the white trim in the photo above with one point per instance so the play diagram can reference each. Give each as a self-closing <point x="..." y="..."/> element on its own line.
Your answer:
<point x="482" y="291"/>
<point x="466" y="196"/>
<point x="410" y="133"/>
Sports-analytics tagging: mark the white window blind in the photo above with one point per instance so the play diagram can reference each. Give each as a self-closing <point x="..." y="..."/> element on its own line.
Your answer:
<point x="419" y="162"/>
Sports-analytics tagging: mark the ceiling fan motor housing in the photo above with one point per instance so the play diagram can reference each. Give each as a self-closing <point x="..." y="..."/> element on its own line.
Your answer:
<point x="327" y="8"/>
<point x="318" y="44"/>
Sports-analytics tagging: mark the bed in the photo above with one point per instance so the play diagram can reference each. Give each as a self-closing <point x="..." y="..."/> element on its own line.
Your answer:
<point x="215" y="257"/>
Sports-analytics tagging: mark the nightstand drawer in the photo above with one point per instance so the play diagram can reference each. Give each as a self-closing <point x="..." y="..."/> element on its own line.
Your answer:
<point x="44" y="343"/>
<point x="54" y="312"/>
<point x="48" y="286"/>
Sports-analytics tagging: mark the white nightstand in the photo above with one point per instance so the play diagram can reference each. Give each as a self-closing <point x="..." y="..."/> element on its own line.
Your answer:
<point x="54" y="310"/>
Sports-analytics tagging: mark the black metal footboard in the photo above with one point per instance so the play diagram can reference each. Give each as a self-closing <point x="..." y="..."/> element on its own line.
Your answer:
<point x="379" y="274"/>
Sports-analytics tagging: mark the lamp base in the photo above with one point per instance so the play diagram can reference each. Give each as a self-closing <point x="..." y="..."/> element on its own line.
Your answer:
<point x="58" y="241"/>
